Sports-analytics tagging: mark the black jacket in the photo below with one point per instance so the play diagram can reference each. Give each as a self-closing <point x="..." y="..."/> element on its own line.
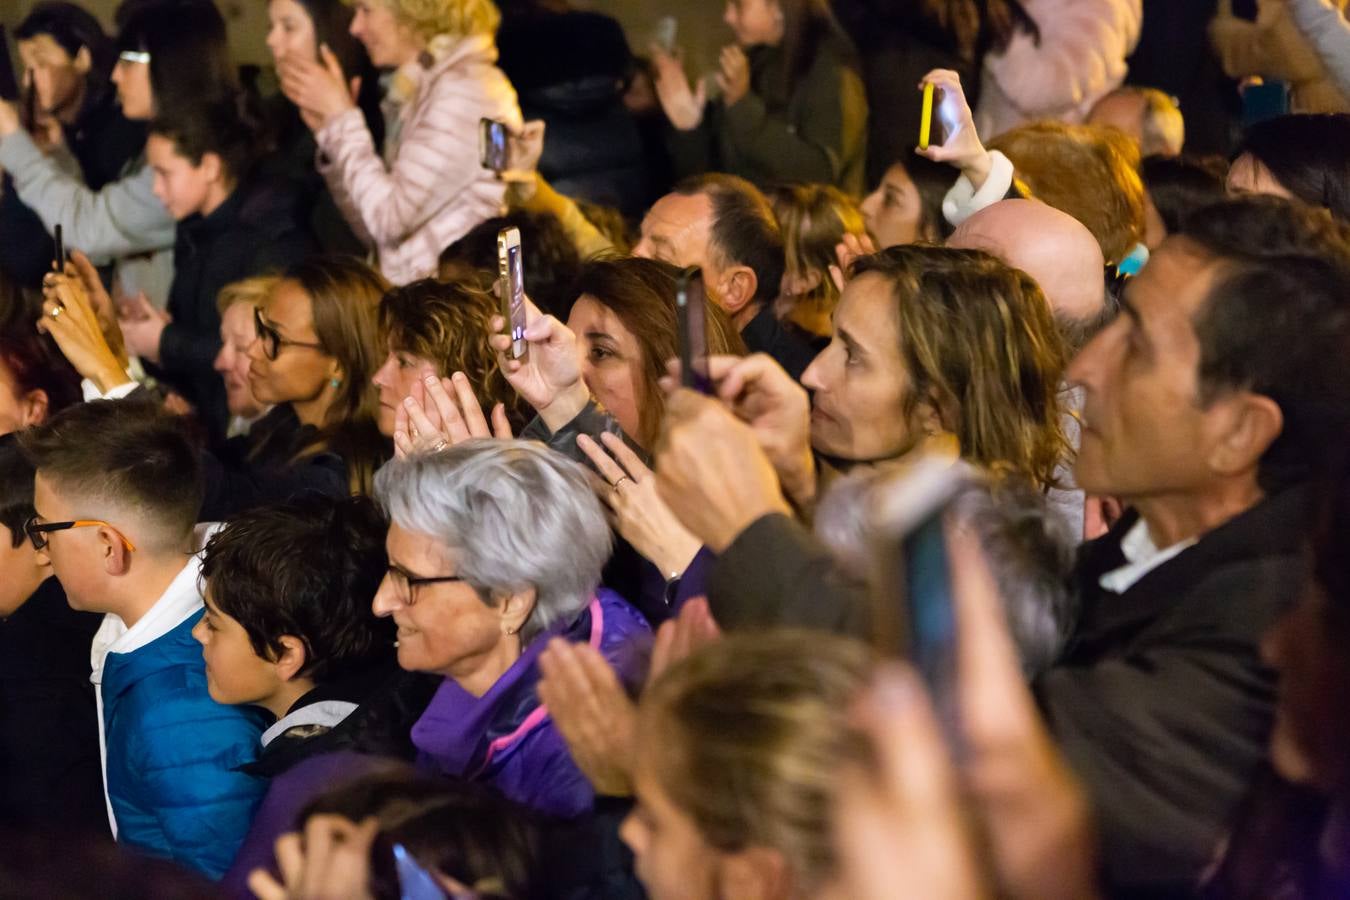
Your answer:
<point x="50" y="773"/>
<point x="253" y="232"/>
<point x="594" y="149"/>
<point x="1161" y="703"/>
<point x="816" y="134"/>
<point x="787" y="344"/>
<point x="262" y="467"/>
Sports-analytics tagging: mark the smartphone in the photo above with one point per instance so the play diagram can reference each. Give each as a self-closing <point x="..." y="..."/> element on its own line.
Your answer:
<point x="414" y="881"/>
<point x="9" y="76"/>
<point x="666" y="33"/>
<point x="926" y="123"/>
<point x="1245" y="9"/>
<point x="692" y="310"/>
<point x="1266" y="100"/>
<point x="912" y="584"/>
<point x="60" y="255"/>
<point x="511" y="268"/>
<point x="493" y="148"/>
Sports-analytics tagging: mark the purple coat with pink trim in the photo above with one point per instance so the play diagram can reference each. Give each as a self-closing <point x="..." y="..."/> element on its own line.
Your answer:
<point x="506" y="737"/>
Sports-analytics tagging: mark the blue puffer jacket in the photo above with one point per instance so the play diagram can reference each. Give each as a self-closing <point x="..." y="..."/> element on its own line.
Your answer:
<point x="173" y="752"/>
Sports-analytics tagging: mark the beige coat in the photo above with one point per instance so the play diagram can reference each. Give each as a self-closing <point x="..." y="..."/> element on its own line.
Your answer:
<point x="1273" y="47"/>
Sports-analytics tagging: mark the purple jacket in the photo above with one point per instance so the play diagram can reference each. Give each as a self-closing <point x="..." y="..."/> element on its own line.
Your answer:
<point x="506" y="737"/>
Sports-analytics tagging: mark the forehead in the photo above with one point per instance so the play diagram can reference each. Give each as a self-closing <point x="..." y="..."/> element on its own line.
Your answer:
<point x="897" y="178"/>
<point x="287" y="9"/>
<point x="1175" y="284"/>
<point x="590" y="314"/>
<point x="288" y="305"/>
<point x="867" y="311"/>
<point x="43" y="45"/>
<point x="676" y="213"/>
<point x="47" y="500"/>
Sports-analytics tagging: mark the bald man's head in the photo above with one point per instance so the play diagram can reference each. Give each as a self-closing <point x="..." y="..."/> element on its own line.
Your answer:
<point x="1052" y="247"/>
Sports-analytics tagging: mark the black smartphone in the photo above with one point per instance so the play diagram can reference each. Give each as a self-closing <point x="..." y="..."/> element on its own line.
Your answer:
<point x="493" y="149"/>
<point x="691" y="308"/>
<point x="912" y="583"/>
<point x="60" y="255"/>
<point x="1266" y="100"/>
<point x="9" y="77"/>
<point x="511" y="269"/>
<point x="1245" y="9"/>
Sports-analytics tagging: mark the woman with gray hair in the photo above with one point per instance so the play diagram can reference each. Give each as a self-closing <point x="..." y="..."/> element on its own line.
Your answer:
<point x="496" y="548"/>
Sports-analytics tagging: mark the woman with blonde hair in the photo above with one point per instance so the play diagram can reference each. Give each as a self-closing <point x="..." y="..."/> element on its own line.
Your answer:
<point x="738" y="759"/>
<point x="814" y="219"/>
<point x="426" y="189"/>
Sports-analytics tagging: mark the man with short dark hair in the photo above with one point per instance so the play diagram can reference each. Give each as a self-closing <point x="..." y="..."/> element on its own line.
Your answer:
<point x="116" y="495"/>
<point x="725" y="225"/>
<point x="1212" y="403"/>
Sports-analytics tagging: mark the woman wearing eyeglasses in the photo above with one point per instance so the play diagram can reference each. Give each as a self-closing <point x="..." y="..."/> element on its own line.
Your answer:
<point x="495" y="550"/>
<point x="317" y="348"/>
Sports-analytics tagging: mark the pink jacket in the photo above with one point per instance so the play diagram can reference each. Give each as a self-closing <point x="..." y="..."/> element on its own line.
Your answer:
<point x="429" y="190"/>
<point x="1080" y="59"/>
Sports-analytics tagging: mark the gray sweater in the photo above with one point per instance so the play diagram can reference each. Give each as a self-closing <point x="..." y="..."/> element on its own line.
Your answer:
<point x="123" y="223"/>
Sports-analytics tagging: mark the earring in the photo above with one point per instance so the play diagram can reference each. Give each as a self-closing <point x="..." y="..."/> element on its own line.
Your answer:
<point x="510" y="631"/>
<point x="336" y="382"/>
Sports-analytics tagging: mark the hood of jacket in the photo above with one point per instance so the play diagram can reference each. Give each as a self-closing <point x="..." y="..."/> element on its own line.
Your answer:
<point x="464" y="735"/>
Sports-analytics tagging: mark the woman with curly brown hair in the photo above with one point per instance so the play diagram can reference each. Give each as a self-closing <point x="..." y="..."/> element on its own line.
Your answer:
<point x="942" y="350"/>
<point x="437" y="330"/>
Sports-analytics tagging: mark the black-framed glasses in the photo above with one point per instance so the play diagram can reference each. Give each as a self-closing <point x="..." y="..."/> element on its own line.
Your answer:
<point x="272" y="341"/>
<point x="406" y="585"/>
<point x="37" y="531"/>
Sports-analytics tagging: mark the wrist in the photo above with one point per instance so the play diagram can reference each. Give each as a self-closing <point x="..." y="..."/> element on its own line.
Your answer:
<point x="978" y="169"/>
<point x="747" y="516"/>
<point x="109" y="375"/>
<point x="799" y="481"/>
<point x="566" y="406"/>
<point x="676" y="559"/>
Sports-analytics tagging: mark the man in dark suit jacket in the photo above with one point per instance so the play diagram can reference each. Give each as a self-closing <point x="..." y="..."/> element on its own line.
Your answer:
<point x="1211" y="403"/>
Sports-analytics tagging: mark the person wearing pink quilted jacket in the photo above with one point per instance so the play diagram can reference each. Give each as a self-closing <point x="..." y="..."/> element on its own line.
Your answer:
<point x="426" y="189"/>
<point x="1078" y="58"/>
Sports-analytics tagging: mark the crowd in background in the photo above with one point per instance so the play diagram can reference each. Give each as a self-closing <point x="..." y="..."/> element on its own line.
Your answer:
<point x="322" y="576"/>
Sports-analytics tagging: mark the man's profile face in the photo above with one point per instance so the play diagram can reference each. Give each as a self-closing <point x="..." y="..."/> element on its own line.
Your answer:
<point x="1144" y="430"/>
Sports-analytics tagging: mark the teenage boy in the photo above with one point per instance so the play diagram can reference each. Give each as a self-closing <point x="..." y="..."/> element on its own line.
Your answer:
<point x="288" y="625"/>
<point x="288" y="628"/>
<point x="116" y="495"/>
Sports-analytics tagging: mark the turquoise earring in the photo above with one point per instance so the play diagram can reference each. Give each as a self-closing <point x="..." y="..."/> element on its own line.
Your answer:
<point x="336" y="382"/>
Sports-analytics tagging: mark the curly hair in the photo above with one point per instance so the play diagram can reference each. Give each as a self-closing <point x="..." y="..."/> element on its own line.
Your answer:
<point x="448" y="324"/>
<point x="979" y="342"/>
<point x="455" y="18"/>
<point x="1089" y="172"/>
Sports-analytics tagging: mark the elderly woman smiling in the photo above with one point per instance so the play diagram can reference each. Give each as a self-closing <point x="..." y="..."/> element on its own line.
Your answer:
<point x="495" y="547"/>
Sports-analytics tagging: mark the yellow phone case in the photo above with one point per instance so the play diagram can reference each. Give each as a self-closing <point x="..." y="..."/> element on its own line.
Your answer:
<point x="926" y="124"/>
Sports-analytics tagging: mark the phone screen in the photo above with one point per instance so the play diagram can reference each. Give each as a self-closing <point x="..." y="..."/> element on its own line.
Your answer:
<point x="691" y="306"/>
<point x="492" y="145"/>
<point x="414" y="881"/>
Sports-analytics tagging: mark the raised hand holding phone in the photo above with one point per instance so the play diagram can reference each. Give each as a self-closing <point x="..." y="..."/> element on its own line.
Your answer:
<point x="961" y="146"/>
<point x="548" y="377"/>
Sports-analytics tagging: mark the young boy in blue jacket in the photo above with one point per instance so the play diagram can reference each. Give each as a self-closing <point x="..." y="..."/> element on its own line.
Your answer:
<point x="116" y="494"/>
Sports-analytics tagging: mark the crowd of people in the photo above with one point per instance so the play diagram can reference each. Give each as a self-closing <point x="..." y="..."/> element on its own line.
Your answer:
<point x="993" y="546"/>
